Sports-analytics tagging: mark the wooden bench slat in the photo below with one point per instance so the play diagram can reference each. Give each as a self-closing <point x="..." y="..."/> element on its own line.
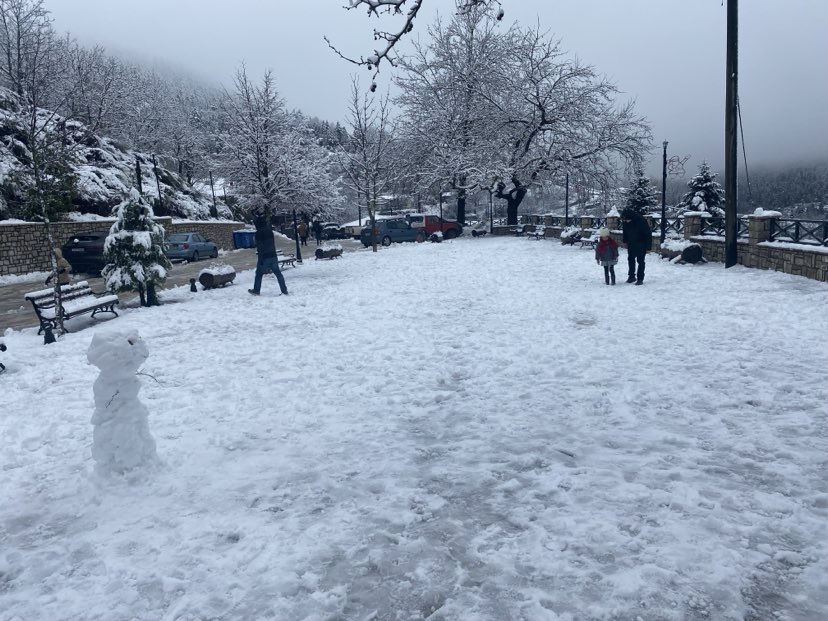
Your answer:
<point x="45" y="293"/>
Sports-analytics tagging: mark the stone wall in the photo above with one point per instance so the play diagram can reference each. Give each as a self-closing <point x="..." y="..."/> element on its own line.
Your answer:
<point x="24" y="247"/>
<point x="755" y="251"/>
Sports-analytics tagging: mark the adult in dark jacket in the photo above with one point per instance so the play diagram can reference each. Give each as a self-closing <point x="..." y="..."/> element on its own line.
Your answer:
<point x="266" y="249"/>
<point x="637" y="237"/>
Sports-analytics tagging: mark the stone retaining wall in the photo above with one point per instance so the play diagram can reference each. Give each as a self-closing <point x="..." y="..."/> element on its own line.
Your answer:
<point x="24" y="248"/>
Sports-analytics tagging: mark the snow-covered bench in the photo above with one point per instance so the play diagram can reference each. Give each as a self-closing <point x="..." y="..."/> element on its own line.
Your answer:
<point x="76" y="299"/>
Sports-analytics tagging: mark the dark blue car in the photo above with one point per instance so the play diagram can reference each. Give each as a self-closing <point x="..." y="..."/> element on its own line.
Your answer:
<point x="387" y="231"/>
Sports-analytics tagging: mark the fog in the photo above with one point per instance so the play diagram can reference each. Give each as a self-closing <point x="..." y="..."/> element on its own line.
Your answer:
<point x="668" y="55"/>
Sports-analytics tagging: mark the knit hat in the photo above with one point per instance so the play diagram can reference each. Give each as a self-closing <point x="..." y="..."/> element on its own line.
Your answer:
<point x="604" y="232"/>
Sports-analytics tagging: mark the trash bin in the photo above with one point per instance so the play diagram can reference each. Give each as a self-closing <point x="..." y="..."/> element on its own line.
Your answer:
<point x="244" y="239"/>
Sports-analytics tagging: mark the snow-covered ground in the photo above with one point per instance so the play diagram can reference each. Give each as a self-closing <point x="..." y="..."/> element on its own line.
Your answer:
<point x="478" y="429"/>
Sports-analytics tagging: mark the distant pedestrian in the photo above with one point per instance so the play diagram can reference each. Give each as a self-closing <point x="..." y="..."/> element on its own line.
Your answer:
<point x="317" y="232"/>
<point x="606" y="254"/>
<point x="266" y="249"/>
<point x="64" y="270"/>
<point x="302" y="231"/>
<point x="637" y="237"/>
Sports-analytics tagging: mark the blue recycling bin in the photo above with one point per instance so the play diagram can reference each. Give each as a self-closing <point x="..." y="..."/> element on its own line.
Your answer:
<point x="244" y="239"/>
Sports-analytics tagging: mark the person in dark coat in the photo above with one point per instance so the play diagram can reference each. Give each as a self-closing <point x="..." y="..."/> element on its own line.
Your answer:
<point x="266" y="249"/>
<point x="637" y="237"/>
<point x="317" y="231"/>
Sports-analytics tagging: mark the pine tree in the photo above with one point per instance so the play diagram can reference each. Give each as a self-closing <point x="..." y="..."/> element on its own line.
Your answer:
<point x="641" y="197"/>
<point x="134" y="251"/>
<point x="705" y="194"/>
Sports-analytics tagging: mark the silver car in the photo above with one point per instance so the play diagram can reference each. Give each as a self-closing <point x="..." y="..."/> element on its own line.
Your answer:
<point x="189" y="247"/>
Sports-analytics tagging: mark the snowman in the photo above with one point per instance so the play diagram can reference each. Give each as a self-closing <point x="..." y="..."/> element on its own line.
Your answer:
<point x="121" y="435"/>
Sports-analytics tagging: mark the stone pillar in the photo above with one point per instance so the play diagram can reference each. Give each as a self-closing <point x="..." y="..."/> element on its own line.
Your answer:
<point x="547" y="220"/>
<point x="692" y="225"/>
<point x="585" y="222"/>
<point x="613" y="223"/>
<point x="759" y="228"/>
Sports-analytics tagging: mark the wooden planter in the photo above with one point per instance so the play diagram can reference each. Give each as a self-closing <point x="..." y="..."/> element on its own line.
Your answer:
<point x="328" y="253"/>
<point x="210" y="280"/>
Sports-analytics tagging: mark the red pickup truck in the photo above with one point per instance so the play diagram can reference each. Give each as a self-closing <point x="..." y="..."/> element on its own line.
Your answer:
<point x="432" y="224"/>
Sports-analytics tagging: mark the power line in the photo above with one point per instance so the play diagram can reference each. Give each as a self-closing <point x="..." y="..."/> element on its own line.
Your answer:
<point x="744" y="153"/>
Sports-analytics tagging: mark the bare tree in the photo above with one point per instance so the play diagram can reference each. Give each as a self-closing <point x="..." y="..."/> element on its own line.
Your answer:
<point x="442" y="89"/>
<point x="269" y="153"/>
<point x="557" y="116"/>
<point x="34" y="63"/>
<point x="366" y="159"/>
<point x="408" y="10"/>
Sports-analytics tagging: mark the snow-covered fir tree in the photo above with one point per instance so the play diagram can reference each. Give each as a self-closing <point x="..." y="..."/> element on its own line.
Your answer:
<point x="134" y="250"/>
<point x="705" y="194"/>
<point x="641" y="197"/>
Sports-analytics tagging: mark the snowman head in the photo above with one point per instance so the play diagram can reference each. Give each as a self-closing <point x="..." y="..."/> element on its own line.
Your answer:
<point x="117" y="352"/>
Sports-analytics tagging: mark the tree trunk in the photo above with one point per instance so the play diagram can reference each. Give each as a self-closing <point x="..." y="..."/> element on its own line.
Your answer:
<point x="152" y="298"/>
<point x="461" y="206"/>
<point x="141" y="295"/>
<point x="513" y="201"/>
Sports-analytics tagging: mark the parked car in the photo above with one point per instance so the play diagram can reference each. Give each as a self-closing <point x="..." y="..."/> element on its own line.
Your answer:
<point x="387" y="231"/>
<point x="189" y="246"/>
<point x="331" y="230"/>
<point x="432" y="224"/>
<point x="84" y="251"/>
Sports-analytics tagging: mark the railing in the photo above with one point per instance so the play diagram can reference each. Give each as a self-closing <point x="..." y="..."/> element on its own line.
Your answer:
<point x="716" y="226"/>
<point x="675" y="225"/>
<point x="811" y="232"/>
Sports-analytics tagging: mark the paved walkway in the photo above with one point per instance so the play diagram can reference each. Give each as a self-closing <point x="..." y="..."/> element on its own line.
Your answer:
<point x="17" y="313"/>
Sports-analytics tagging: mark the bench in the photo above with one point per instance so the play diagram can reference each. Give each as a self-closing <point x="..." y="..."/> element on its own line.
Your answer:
<point x="538" y="233"/>
<point x="521" y="230"/>
<point x="480" y="233"/>
<point x="589" y="242"/>
<point x="285" y="259"/>
<point x="76" y="299"/>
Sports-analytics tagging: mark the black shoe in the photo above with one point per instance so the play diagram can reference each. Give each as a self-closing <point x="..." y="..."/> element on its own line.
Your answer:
<point x="284" y="292"/>
<point x="639" y="282"/>
<point x="252" y="292"/>
<point x="630" y="279"/>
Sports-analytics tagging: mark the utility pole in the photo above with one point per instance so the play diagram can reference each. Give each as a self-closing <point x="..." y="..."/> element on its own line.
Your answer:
<point x="138" y="175"/>
<point x="664" y="193"/>
<point x="157" y="183"/>
<point x="566" y="217"/>
<point x="731" y="126"/>
<point x="214" y="213"/>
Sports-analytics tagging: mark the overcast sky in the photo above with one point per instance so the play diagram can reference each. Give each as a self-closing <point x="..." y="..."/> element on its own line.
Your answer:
<point x="668" y="55"/>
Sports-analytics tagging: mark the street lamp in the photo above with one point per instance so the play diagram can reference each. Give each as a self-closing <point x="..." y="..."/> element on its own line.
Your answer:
<point x="491" y="212"/>
<point x="664" y="192"/>
<point x="296" y="235"/>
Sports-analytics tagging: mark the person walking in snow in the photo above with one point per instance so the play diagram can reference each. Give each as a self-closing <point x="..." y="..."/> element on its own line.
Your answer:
<point x="302" y="231"/>
<point x="268" y="261"/>
<point x="63" y="272"/>
<point x="637" y="237"/>
<point x="606" y="254"/>
<point x="317" y="231"/>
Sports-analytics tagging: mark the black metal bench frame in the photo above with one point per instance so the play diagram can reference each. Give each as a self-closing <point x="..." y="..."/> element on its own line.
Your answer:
<point x="77" y="292"/>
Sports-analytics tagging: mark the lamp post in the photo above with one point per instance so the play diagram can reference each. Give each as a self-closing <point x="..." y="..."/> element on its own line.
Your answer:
<point x="491" y="212"/>
<point x="296" y="235"/>
<point x="566" y="212"/>
<point x="664" y="192"/>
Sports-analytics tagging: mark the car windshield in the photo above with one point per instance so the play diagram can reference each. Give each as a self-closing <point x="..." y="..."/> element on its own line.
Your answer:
<point x="179" y="237"/>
